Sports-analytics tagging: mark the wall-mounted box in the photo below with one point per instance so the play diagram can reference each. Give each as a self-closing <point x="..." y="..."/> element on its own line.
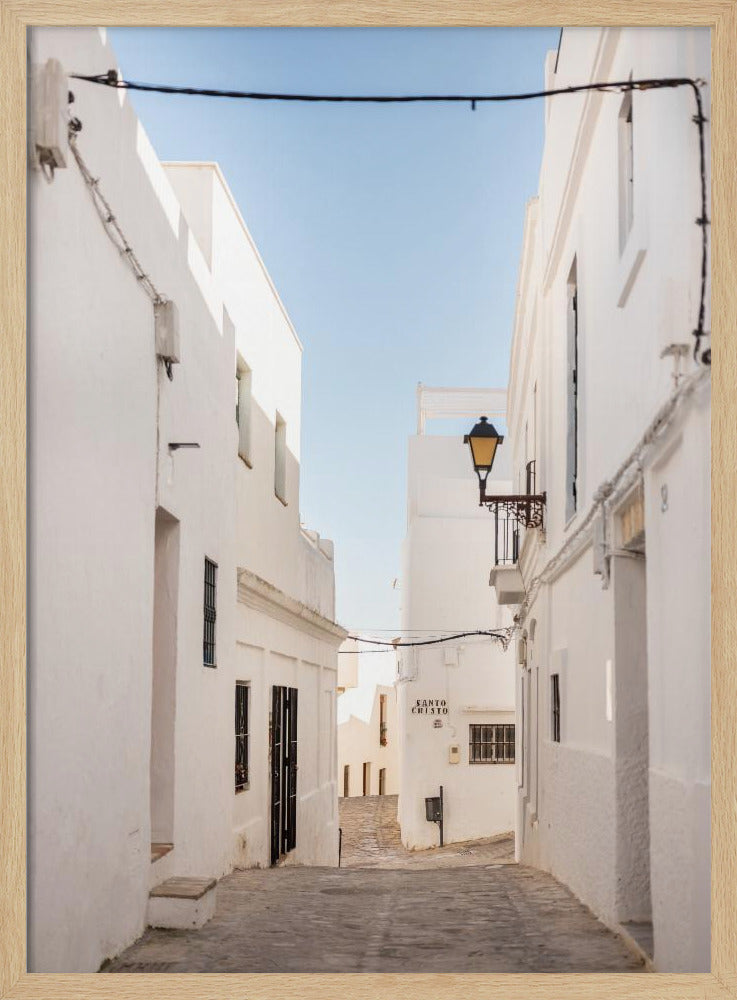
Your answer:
<point x="49" y="114"/>
<point x="166" y="327"/>
<point x="454" y="753"/>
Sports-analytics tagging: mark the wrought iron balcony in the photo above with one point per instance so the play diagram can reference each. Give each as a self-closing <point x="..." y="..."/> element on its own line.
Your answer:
<point x="512" y="512"/>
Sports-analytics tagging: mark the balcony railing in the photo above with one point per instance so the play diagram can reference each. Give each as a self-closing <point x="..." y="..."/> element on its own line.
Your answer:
<point x="506" y="538"/>
<point x="512" y="512"/>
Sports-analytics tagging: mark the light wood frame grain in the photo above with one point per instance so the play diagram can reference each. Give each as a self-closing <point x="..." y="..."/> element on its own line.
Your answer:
<point x="15" y="17"/>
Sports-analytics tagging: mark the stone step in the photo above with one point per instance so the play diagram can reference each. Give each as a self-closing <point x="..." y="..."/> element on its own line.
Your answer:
<point x="182" y="902"/>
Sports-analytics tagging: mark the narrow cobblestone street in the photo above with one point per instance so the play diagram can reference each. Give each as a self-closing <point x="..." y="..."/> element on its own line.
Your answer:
<point x="465" y="908"/>
<point x="371" y="839"/>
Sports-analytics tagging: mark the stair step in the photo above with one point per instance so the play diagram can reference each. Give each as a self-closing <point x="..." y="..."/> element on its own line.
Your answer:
<point x="183" y="887"/>
<point x="182" y="902"/>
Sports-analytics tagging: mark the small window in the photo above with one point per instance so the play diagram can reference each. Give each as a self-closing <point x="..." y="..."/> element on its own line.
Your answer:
<point x="383" y="732"/>
<point x="346" y="781"/>
<point x="280" y="459"/>
<point x="572" y="393"/>
<point x="382" y="781"/>
<point x="241" y="735"/>
<point x="555" y="707"/>
<point x="626" y="170"/>
<point x="492" y="744"/>
<point x="210" y="613"/>
<point x="243" y="410"/>
<point x="367" y="778"/>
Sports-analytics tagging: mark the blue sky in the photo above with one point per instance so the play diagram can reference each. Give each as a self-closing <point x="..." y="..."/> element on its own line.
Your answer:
<point x="392" y="233"/>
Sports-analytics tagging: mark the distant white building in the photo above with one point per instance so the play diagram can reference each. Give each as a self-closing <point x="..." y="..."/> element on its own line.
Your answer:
<point x="183" y="650"/>
<point x="368" y="738"/>
<point x="455" y="698"/>
<point x="608" y="403"/>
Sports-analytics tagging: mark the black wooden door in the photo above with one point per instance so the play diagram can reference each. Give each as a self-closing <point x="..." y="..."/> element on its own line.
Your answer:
<point x="283" y="771"/>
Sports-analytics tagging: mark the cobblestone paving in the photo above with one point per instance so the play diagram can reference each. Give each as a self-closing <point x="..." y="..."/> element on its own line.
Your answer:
<point x="371" y="840"/>
<point x="499" y="919"/>
<point x="389" y="910"/>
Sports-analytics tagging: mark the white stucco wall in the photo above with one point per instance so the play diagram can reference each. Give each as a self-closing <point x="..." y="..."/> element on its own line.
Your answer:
<point x="101" y="416"/>
<point x="634" y="772"/>
<point x="270" y="542"/>
<point x="445" y="587"/>
<point x="359" y="743"/>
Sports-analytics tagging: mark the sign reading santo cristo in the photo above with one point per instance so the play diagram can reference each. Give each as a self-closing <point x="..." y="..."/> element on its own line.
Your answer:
<point x="430" y="706"/>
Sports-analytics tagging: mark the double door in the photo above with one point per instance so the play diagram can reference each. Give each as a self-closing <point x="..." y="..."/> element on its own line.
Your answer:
<point x="283" y="761"/>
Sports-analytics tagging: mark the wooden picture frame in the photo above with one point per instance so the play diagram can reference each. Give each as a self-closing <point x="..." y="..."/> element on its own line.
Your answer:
<point x="16" y="16"/>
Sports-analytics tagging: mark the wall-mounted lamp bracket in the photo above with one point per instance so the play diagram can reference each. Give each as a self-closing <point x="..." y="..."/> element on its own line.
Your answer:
<point x="528" y="509"/>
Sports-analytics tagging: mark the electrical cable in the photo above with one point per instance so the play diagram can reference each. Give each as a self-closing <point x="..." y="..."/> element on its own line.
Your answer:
<point x="608" y="490"/>
<point x="112" y="79"/>
<point x="501" y="635"/>
<point x="113" y="229"/>
<point x="110" y="222"/>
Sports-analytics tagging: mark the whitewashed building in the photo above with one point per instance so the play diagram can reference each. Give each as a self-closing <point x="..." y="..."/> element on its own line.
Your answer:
<point x="182" y="647"/>
<point x="368" y="745"/>
<point x="609" y="403"/>
<point x="456" y="697"/>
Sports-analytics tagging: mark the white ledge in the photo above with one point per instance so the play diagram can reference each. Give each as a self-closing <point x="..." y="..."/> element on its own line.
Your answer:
<point x="263" y="596"/>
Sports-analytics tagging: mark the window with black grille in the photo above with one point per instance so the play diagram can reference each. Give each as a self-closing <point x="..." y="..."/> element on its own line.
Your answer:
<point x="555" y="707"/>
<point x="210" y="613"/>
<point x="492" y="744"/>
<point x="241" y="735"/>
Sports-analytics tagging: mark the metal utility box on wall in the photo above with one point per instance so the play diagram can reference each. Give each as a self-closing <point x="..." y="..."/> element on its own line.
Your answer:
<point x="454" y="754"/>
<point x="432" y="809"/>
<point x="166" y="326"/>
<point x="50" y="121"/>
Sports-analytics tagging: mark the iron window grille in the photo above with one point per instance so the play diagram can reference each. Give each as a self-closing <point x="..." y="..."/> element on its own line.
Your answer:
<point x="493" y="744"/>
<point x="555" y="705"/>
<point x="241" y="735"/>
<point x="210" y="613"/>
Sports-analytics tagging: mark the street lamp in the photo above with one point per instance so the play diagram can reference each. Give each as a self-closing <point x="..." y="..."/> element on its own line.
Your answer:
<point x="526" y="508"/>
<point x="483" y="441"/>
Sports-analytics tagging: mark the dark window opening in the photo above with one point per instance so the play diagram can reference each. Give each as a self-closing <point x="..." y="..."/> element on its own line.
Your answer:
<point x="555" y="706"/>
<point x="492" y="744"/>
<point x="241" y="735"/>
<point x="626" y="170"/>
<point x="210" y="613"/>
<point x="572" y="483"/>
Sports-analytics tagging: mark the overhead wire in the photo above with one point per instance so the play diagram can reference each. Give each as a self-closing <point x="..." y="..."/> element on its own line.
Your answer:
<point x="630" y="467"/>
<point x="114" y="80"/>
<point x="501" y="635"/>
<point x="112" y="226"/>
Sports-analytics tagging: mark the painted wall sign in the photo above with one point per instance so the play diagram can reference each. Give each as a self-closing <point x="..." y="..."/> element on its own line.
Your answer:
<point x="430" y="706"/>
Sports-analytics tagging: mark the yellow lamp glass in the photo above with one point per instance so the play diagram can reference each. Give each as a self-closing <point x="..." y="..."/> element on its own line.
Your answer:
<point x="483" y="441"/>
